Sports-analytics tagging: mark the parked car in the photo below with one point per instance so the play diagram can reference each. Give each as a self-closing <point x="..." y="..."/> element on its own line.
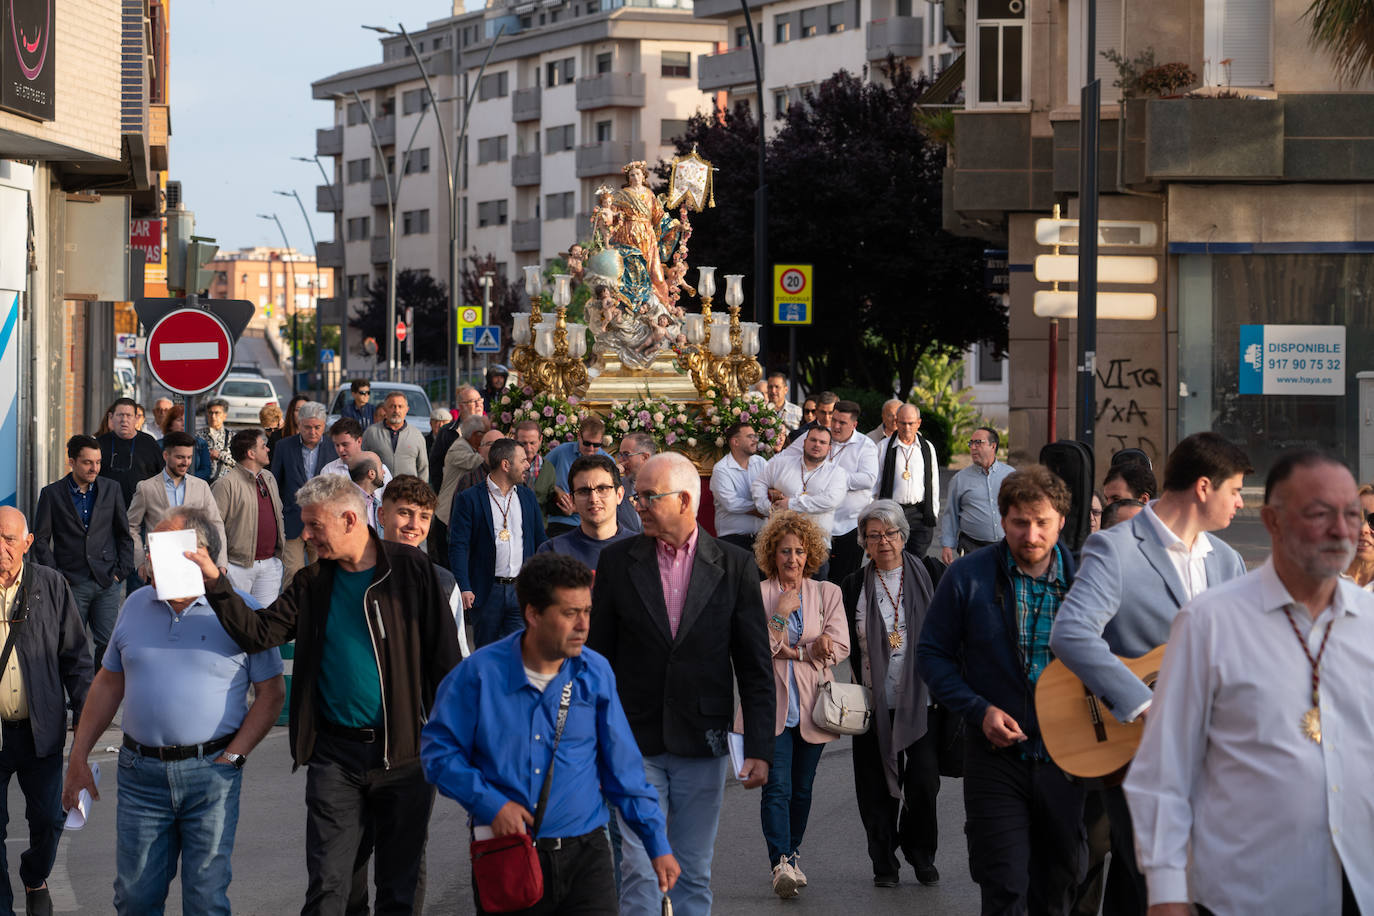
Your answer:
<point x="418" y="416"/>
<point x="246" y="393"/>
<point x="125" y="381"/>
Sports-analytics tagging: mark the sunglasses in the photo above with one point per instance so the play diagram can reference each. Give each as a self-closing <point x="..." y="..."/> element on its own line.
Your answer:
<point x="586" y="444"/>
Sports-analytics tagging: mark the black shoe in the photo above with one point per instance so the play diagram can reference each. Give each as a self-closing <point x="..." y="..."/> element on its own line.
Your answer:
<point x="886" y="880"/>
<point x="927" y="874"/>
<point x="37" y="902"/>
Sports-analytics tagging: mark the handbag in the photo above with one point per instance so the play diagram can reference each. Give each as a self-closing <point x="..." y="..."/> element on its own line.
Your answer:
<point x="842" y="709"/>
<point x="505" y="869"/>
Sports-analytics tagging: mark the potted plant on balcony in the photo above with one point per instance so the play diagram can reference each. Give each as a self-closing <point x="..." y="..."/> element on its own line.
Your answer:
<point x="1167" y="81"/>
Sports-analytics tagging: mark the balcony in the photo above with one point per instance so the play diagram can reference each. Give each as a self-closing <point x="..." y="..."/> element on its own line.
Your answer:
<point x="330" y="254"/>
<point x="525" y="105"/>
<point x="583" y="223"/>
<point x="727" y="69"/>
<point x="386" y="129"/>
<point x="159" y="126"/>
<point x="329" y="142"/>
<point x="610" y="90"/>
<point x="524" y="235"/>
<point x="1001" y="167"/>
<point x="606" y="158"/>
<point x="525" y="170"/>
<point x="328" y="198"/>
<point x="332" y="311"/>
<point x="900" y="36"/>
<point x="377" y="193"/>
<point x="381" y="249"/>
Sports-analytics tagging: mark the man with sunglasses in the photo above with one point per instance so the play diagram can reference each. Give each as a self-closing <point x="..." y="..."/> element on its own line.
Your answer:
<point x="815" y="412"/>
<point x="551" y="486"/>
<point x="598" y="493"/>
<point x="360" y="408"/>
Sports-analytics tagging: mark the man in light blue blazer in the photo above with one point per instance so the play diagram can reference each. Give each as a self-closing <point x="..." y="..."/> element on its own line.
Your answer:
<point x="1132" y="580"/>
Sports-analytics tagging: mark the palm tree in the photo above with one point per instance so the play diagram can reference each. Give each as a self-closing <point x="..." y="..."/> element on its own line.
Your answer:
<point x="1345" y="28"/>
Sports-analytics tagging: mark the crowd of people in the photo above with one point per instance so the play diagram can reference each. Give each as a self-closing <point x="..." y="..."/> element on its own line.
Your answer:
<point x="570" y="642"/>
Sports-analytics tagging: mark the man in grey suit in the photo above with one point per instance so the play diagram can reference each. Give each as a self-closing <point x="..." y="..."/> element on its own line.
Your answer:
<point x="400" y="445"/>
<point x="157" y="496"/>
<point x="1133" y="579"/>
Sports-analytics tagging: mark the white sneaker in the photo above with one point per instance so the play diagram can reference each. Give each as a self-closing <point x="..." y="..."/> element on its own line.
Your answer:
<point x="784" y="879"/>
<point x="795" y="862"/>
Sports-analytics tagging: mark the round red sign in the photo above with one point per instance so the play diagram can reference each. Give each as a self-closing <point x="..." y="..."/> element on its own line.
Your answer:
<point x="189" y="351"/>
<point x="400" y="330"/>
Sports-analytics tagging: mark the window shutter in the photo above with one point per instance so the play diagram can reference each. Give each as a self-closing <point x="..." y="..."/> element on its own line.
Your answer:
<point x="1247" y="39"/>
<point x="1109" y="36"/>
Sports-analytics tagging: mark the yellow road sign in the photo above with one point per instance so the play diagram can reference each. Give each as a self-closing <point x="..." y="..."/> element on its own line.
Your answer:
<point x="469" y="317"/>
<point x="792" y="294"/>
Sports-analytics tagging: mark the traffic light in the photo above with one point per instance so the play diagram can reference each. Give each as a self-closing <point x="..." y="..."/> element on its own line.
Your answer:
<point x="181" y="226"/>
<point x="199" y="252"/>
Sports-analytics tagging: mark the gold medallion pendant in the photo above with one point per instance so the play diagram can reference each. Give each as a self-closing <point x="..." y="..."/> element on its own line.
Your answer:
<point x="906" y="475"/>
<point x="894" y="639"/>
<point x="1312" y="725"/>
<point x="505" y="534"/>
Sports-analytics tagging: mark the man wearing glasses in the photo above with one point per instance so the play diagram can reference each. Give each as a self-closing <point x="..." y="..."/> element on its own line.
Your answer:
<point x="597" y="493"/>
<point x="971" y="520"/>
<point x="815" y="412"/>
<point x="127" y="455"/>
<point x="552" y="488"/>
<point x="469" y="405"/>
<point x="360" y="408"/>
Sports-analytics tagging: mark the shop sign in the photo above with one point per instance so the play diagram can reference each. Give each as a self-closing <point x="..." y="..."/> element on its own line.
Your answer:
<point x="1308" y="359"/>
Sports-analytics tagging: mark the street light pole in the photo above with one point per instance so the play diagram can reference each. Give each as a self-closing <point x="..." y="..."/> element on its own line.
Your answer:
<point x="315" y="247"/>
<point x="763" y="277"/>
<point x="1089" y="113"/>
<point x="389" y="332"/>
<point x="290" y="291"/>
<point x="338" y="207"/>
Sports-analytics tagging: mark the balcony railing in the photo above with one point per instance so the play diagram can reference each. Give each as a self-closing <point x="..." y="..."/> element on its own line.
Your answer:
<point x="525" y="169"/>
<point x="726" y="69"/>
<point x="381" y="249"/>
<point x="524" y="235"/>
<point x="330" y="254"/>
<point x="607" y="157"/>
<point x="525" y="104"/>
<point x="329" y="141"/>
<point x="328" y="198"/>
<point x="610" y="90"/>
<point x="900" y="36"/>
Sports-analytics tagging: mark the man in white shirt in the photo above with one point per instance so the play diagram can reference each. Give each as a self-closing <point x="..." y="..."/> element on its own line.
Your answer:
<point x="1133" y="579"/>
<point x="809" y="483"/>
<point x="366" y="474"/>
<point x="1252" y="790"/>
<point x="910" y="474"/>
<point x="857" y="454"/>
<point x="775" y="388"/>
<point x="737" y="518"/>
<point x="347" y="436"/>
<point x="153" y="426"/>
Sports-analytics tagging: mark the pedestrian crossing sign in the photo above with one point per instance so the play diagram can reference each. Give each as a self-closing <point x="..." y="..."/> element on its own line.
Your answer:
<point x="487" y="339"/>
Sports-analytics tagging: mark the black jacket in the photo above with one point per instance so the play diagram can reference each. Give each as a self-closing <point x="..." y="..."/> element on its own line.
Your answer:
<point x="54" y="659"/>
<point x="678" y="693"/>
<point x="129" y="461"/>
<point x="103" y="552"/>
<point x="410" y="622"/>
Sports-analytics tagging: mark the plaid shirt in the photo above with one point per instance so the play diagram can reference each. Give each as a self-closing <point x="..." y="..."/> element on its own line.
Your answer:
<point x="1037" y="602"/>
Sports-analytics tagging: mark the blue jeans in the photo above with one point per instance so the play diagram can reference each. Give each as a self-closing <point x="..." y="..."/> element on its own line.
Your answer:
<point x="40" y="778"/>
<point x="690" y="790"/>
<point x="786" y="802"/>
<point x="498" y="616"/>
<point x="99" y="608"/>
<point x="181" y="808"/>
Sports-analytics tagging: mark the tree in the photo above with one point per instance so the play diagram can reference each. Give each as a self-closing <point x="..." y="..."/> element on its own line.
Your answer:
<point x="417" y="290"/>
<point x="1345" y="29"/>
<point x="855" y="190"/>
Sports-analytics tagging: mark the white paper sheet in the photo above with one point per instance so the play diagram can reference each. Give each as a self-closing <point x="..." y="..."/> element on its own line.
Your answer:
<point x="77" y="817"/>
<point x="735" y="742"/>
<point x="176" y="576"/>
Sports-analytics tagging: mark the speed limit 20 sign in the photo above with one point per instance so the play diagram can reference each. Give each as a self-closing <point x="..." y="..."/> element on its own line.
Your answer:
<point x="791" y="293"/>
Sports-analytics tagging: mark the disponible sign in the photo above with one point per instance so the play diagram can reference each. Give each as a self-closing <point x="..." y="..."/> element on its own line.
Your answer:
<point x="1292" y="359"/>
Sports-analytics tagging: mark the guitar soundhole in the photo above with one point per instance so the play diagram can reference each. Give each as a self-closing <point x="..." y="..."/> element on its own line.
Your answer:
<point x="1150" y="679"/>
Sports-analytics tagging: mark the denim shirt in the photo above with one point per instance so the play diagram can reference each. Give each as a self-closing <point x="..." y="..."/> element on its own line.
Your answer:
<point x="794" y="631"/>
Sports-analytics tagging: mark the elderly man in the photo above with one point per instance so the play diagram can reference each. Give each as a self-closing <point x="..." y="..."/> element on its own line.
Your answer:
<point x="551" y="488"/>
<point x="297" y="459"/>
<point x="44" y="665"/>
<point x="437" y="418"/>
<point x="1252" y="791"/>
<point x="478" y="475"/>
<point x="910" y="475"/>
<point x="889" y="424"/>
<point x="469" y="401"/>
<point x="460" y="458"/>
<point x="174" y="487"/>
<point x="400" y="445"/>
<point x="971" y="520"/>
<point x="153" y="426"/>
<point x="188" y="731"/>
<point x="775" y="388"/>
<point x="679" y="616"/>
<point x="359" y="406"/>
<point x="127" y="455"/>
<point x="532" y="441"/>
<point x="737" y="518"/>
<point x="250" y="504"/>
<point x="374" y="637"/>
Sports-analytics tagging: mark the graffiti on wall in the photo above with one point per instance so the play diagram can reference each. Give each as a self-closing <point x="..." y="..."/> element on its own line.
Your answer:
<point x="1128" y="399"/>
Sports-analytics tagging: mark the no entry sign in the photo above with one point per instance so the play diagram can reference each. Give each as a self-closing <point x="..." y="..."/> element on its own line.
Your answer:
<point x="189" y="351"/>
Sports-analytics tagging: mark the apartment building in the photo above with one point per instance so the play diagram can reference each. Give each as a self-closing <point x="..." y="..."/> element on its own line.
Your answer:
<point x="1262" y="196"/>
<point x="571" y="91"/>
<point x="279" y="281"/>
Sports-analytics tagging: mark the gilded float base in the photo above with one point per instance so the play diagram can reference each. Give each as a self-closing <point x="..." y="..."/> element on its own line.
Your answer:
<point x="661" y="380"/>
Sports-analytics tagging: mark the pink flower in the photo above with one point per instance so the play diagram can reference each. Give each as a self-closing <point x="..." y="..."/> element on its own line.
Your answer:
<point x="670" y="438"/>
<point x="644" y="416"/>
<point x="548" y="411"/>
<point x="505" y="417"/>
<point x="561" y="418"/>
<point x="529" y="392"/>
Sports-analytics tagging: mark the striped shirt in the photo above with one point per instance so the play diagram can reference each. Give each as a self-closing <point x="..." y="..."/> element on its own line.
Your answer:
<point x="675" y="572"/>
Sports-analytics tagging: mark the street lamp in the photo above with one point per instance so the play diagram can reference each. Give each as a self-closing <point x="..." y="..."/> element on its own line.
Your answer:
<point x="290" y="292"/>
<point x="315" y="246"/>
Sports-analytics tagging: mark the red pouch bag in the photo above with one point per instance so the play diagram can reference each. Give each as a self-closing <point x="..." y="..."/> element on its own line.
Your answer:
<point x="506" y="872"/>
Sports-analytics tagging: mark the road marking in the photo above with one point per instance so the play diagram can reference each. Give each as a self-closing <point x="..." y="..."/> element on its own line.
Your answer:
<point x="204" y="350"/>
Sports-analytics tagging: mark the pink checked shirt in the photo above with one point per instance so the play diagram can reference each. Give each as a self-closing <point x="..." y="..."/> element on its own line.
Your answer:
<point x="675" y="572"/>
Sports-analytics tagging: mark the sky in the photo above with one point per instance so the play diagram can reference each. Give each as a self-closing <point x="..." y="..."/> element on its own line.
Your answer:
<point x="239" y="88"/>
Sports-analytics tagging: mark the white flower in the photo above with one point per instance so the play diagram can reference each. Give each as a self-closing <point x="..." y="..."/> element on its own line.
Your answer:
<point x="692" y="441"/>
<point x="548" y="432"/>
<point x="720" y="441"/>
<point x="658" y="417"/>
<point x="624" y="425"/>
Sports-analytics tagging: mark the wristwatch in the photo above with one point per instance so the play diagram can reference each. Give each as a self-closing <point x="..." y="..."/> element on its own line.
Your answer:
<point x="238" y="760"/>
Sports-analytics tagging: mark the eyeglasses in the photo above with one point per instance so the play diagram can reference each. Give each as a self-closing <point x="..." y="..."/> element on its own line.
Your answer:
<point x="586" y="444"/>
<point x="602" y="491"/>
<point x="1096" y="513"/>
<point x="626" y="456"/>
<point x="647" y="499"/>
<point x="973" y="442"/>
<point x="891" y="535"/>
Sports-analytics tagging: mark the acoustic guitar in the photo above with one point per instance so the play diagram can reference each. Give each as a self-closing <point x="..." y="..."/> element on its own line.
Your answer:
<point x="1081" y="735"/>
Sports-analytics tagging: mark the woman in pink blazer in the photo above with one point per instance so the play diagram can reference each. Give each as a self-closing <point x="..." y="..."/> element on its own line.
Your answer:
<point x="808" y="635"/>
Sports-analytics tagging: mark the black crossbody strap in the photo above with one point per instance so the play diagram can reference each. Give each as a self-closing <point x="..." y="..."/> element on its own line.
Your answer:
<point x="21" y="599"/>
<point x="563" y="703"/>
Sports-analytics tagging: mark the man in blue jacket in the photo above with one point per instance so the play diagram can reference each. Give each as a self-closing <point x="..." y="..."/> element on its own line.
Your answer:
<point x="985" y="641"/>
<point x="492" y="530"/>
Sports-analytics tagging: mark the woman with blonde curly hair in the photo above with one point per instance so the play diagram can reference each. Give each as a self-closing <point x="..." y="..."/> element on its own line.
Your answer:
<point x="808" y="635"/>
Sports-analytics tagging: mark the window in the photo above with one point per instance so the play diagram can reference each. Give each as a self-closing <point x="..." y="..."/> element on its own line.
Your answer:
<point x="676" y="64"/>
<point x="415" y="222"/>
<point x="245" y="388"/>
<point x="359" y="170"/>
<point x="357" y="285"/>
<point x="742" y="36"/>
<point x="558" y="206"/>
<point x="491" y="149"/>
<point x="355" y="113"/>
<point x="413" y="100"/>
<point x="603" y="62"/>
<point x="903" y="7"/>
<point x="491" y="213"/>
<point x="559" y="72"/>
<point x="526" y="22"/>
<point x="810" y="18"/>
<point x="1241" y="31"/>
<point x="593" y="6"/>
<point x="835" y="18"/>
<point x="501" y="269"/>
<point x="782" y="30"/>
<point x="417" y="161"/>
<point x="780" y="102"/>
<point x="558" y="139"/>
<point x="603" y="131"/>
<point x="989" y="366"/>
<point x="669" y="129"/>
<point x="388" y="107"/>
<point x="999" y="46"/>
<point x="493" y="86"/>
<point x="358" y="229"/>
<point x="262" y="281"/>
